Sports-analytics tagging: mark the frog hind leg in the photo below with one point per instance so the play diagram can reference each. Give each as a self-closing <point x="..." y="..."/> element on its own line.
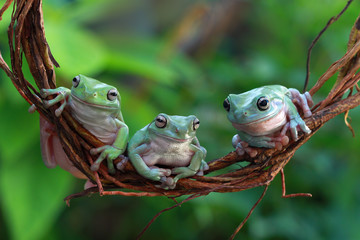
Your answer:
<point x="150" y="172"/>
<point x="52" y="151"/>
<point x="204" y="166"/>
<point x="242" y="147"/>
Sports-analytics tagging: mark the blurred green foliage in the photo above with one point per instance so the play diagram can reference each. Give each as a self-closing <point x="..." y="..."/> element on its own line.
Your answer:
<point x="131" y="44"/>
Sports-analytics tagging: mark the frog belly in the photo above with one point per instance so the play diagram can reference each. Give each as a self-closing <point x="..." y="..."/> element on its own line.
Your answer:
<point x="99" y="122"/>
<point x="168" y="153"/>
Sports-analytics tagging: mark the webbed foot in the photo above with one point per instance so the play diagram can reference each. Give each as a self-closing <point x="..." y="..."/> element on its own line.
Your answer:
<point x="106" y="152"/>
<point x="121" y="165"/>
<point x="203" y="167"/>
<point x="167" y="183"/>
<point x="156" y="173"/>
<point x="303" y="101"/>
<point x="62" y="94"/>
<point x="294" y="125"/>
<point x="242" y="147"/>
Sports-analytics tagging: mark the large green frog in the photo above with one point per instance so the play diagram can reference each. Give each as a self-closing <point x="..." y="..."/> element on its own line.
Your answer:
<point x="263" y="115"/>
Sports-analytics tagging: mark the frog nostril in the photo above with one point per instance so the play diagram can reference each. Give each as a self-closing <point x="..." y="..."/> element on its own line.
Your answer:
<point x="94" y="94"/>
<point x="176" y="130"/>
<point x="245" y="113"/>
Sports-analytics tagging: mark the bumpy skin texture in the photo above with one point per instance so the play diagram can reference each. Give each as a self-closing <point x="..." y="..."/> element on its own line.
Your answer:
<point x="263" y="116"/>
<point x="96" y="106"/>
<point x="167" y="146"/>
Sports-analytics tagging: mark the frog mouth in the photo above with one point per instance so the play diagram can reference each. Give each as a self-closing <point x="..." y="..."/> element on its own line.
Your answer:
<point x="92" y="104"/>
<point x="256" y="121"/>
<point x="172" y="138"/>
<point x="281" y="111"/>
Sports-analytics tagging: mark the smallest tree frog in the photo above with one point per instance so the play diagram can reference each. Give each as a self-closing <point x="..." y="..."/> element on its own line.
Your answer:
<point x="168" y="145"/>
<point x="263" y="115"/>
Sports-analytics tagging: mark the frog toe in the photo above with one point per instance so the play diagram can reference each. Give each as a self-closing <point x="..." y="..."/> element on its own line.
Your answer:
<point x="305" y="128"/>
<point x="95" y="166"/>
<point x="251" y="151"/>
<point x="240" y="150"/>
<point x="121" y="165"/>
<point x="166" y="183"/>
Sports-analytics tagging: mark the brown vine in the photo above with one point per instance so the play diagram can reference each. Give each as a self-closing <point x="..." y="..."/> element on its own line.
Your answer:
<point x="27" y="37"/>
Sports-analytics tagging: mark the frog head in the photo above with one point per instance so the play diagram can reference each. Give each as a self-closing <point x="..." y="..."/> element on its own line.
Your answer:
<point x="93" y="93"/>
<point x="255" y="106"/>
<point x="178" y="128"/>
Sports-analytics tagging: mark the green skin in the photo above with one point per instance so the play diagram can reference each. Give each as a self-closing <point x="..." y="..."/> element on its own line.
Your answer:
<point x="173" y="146"/>
<point x="96" y="106"/>
<point x="267" y="127"/>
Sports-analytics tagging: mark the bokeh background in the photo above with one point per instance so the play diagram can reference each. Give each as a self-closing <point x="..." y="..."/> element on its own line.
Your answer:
<point x="184" y="57"/>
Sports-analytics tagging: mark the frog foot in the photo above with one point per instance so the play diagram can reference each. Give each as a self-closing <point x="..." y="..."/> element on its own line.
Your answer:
<point x="166" y="183"/>
<point x="204" y="167"/>
<point x="242" y="147"/>
<point x="182" y="172"/>
<point x="280" y="141"/>
<point x="121" y="165"/>
<point x="106" y="152"/>
<point x="62" y="94"/>
<point x="156" y="174"/>
<point x="295" y="125"/>
<point x="304" y="101"/>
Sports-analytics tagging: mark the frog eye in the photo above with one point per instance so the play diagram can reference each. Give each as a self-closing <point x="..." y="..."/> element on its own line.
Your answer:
<point x="160" y="121"/>
<point x="76" y="81"/>
<point x="263" y="103"/>
<point x="196" y="124"/>
<point x="226" y="104"/>
<point x="112" y="94"/>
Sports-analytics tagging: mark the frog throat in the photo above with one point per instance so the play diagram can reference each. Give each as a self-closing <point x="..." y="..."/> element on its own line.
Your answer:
<point x="77" y="99"/>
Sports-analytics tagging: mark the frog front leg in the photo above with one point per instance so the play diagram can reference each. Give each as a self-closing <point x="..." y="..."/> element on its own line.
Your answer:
<point x="111" y="152"/>
<point x="62" y="95"/>
<point x="139" y="146"/>
<point x="195" y="165"/>
<point x="304" y="101"/>
<point x="295" y="122"/>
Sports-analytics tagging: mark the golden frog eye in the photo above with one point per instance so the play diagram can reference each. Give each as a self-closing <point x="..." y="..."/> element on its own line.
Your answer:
<point x="160" y="121"/>
<point x="112" y="94"/>
<point x="263" y="103"/>
<point x="76" y="81"/>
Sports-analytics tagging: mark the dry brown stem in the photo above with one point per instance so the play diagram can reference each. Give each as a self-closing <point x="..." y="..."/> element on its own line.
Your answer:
<point x="27" y="37"/>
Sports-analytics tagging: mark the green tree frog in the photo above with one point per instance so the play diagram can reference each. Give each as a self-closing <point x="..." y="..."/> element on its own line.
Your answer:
<point x="96" y="106"/>
<point x="168" y="145"/>
<point x="263" y="115"/>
